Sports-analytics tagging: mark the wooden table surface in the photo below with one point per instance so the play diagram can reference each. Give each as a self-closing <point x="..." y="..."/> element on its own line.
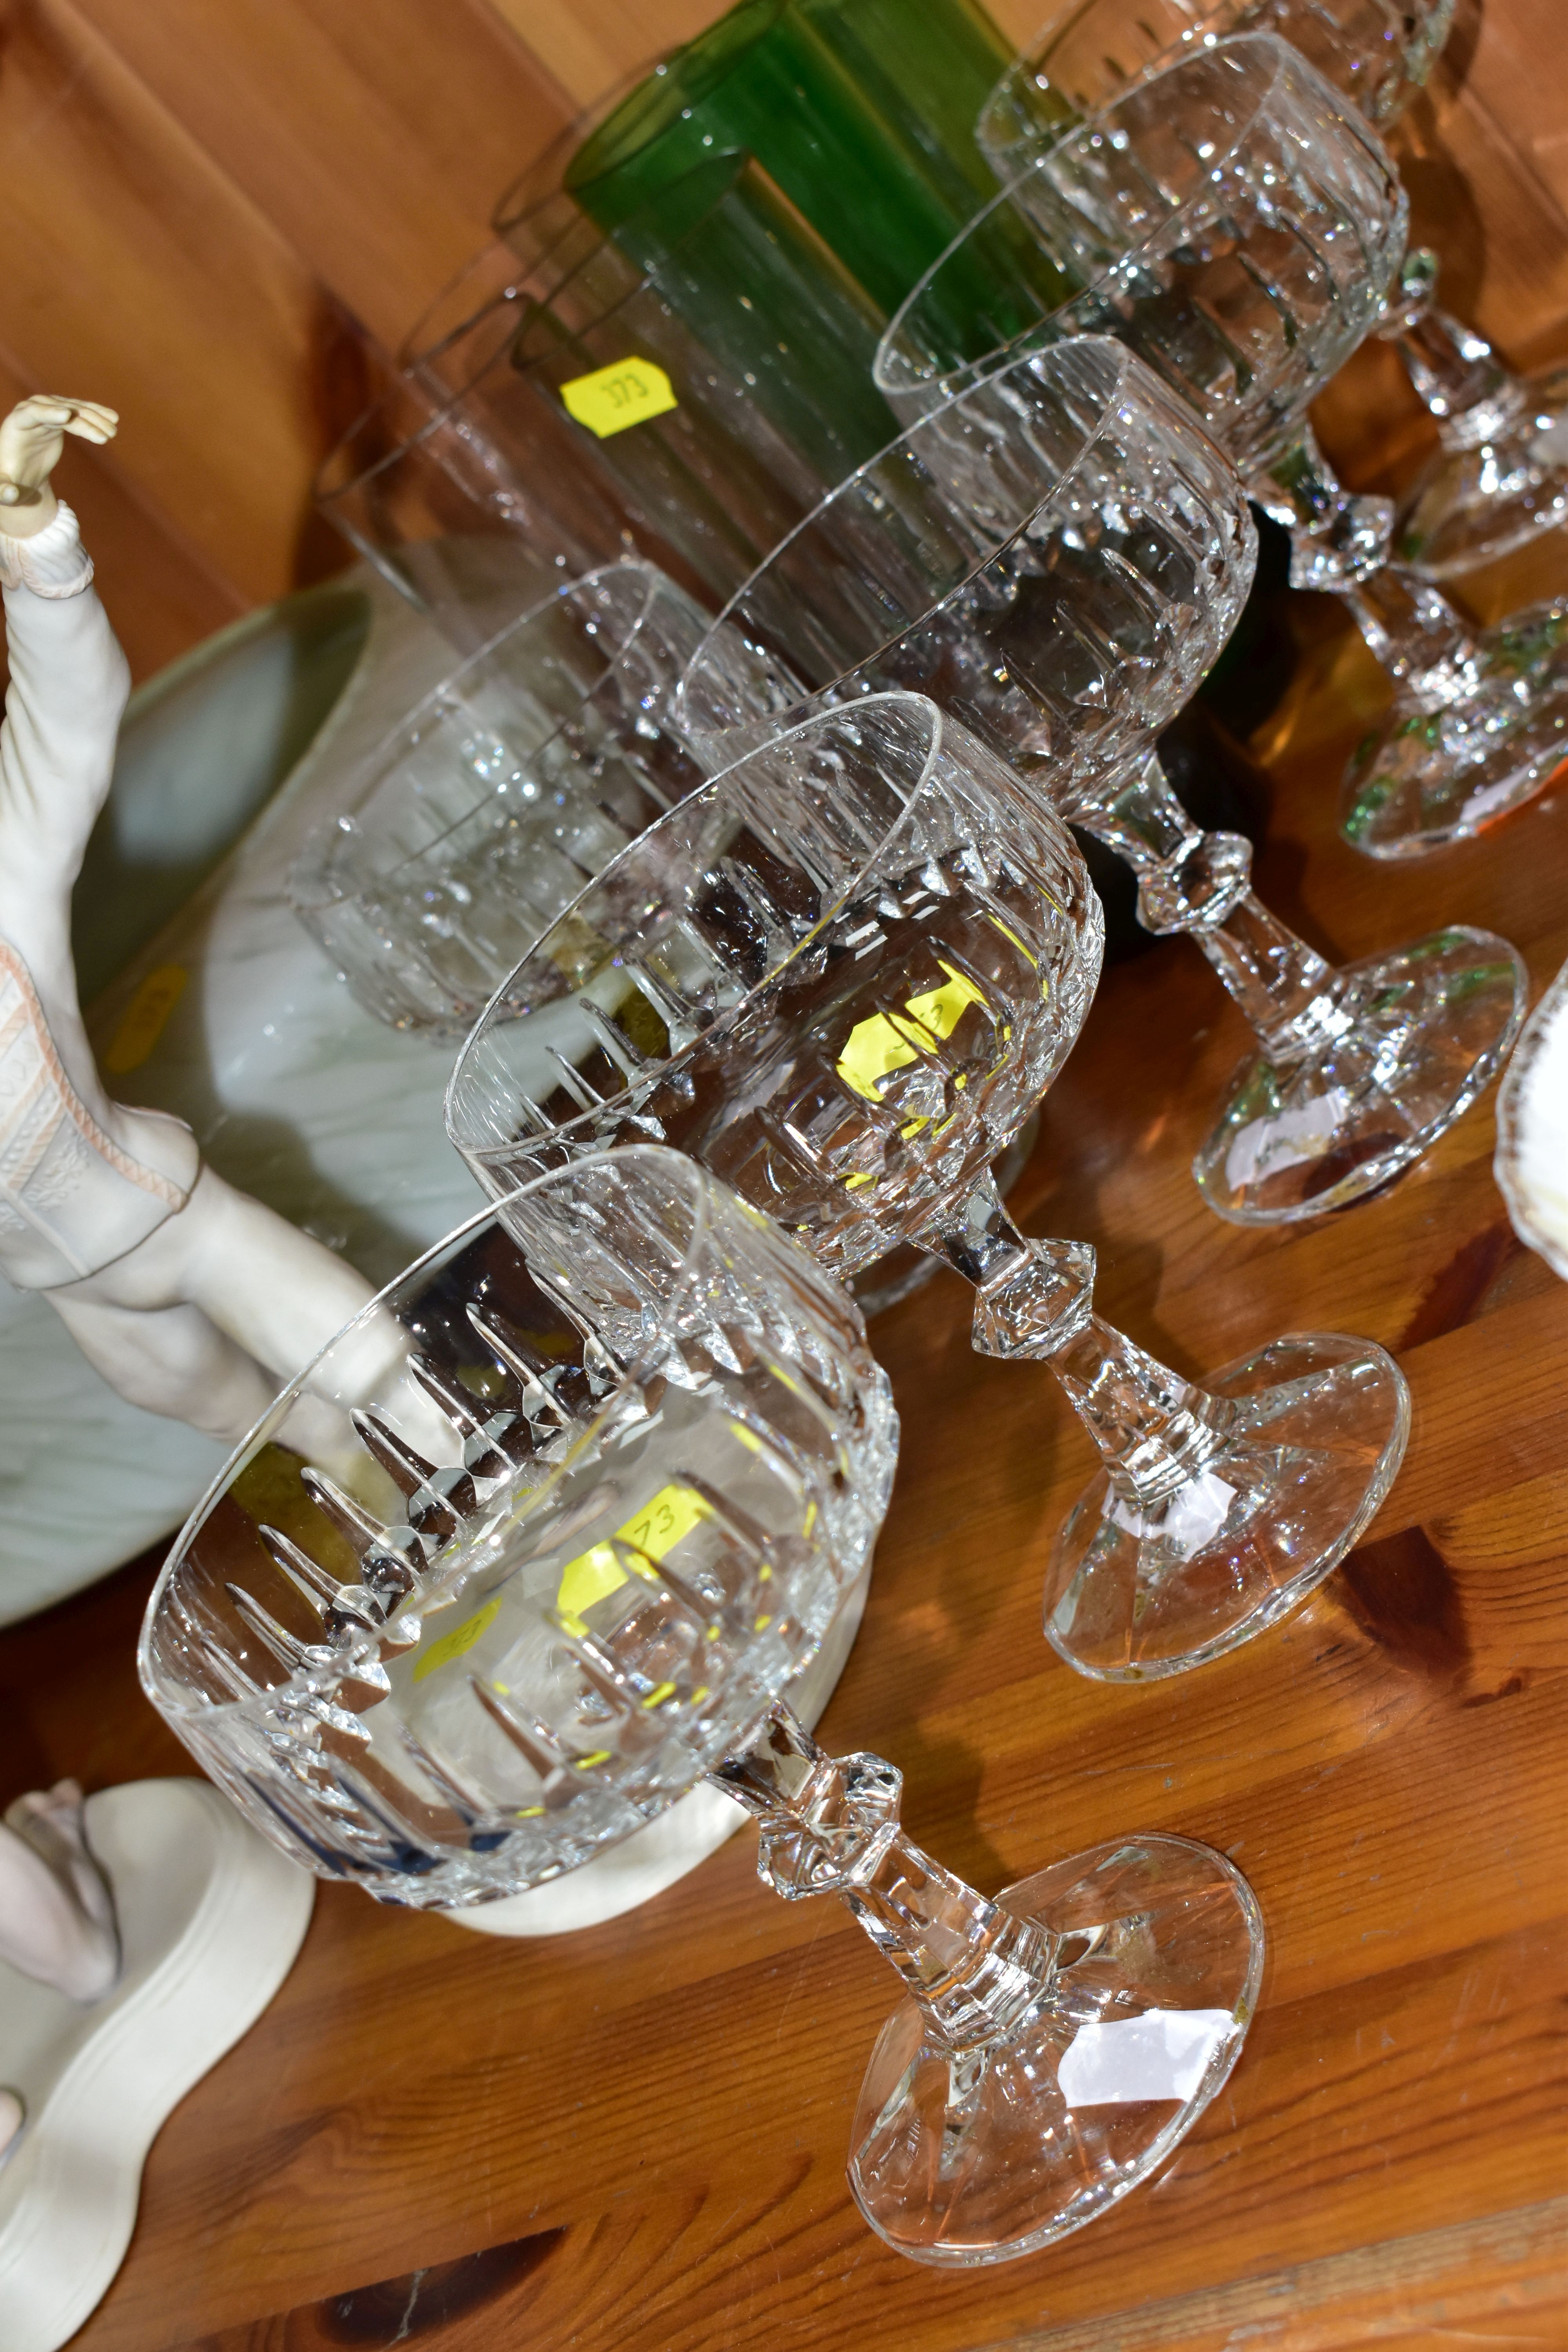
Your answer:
<point x="631" y="2139"/>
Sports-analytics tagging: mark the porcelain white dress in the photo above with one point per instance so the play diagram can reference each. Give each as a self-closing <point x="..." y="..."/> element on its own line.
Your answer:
<point x="83" y="1180"/>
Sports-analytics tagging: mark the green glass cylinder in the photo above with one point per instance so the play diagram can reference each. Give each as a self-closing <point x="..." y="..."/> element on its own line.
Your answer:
<point x="863" y="111"/>
<point x="927" y="66"/>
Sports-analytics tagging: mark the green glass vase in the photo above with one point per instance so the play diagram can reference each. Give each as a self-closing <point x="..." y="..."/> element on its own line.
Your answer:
<point x="862" y="110"/>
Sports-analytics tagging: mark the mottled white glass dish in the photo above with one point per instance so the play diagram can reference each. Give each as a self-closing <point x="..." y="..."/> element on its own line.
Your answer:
<point x="226" y="1016"/>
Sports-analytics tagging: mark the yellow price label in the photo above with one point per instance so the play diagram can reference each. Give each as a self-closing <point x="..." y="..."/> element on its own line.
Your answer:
<point x="613" y="398"/>
<point x="457" y="1642"/>
<point x="886" y="1041"/>
<point x="940" y="1010"/>
<point x="656" y="1529"/>
<point x="142" y="1024"/>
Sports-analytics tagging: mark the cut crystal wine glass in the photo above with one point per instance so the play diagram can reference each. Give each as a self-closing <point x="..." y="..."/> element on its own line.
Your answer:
<point x="1243" y="279"/>
<point x="1500" y="478"/>
<point x="1088" y="53"/>
<point x="1501" y="475"/>
<point x="488" y="806"/>
<point x="841" y="976"/>
<point x="1477" y="720"/>
<point x="545" y="1536"/>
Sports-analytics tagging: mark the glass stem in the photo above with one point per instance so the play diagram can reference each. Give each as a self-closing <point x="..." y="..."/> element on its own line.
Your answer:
<point x="1473" y="394"/>
<point x="1339" y="542"/>
<point x="1418" y="636"/>
<point x="829" y="1825"/>
<point x="1154" y="1430"/>
<point x="1197" y="882"/>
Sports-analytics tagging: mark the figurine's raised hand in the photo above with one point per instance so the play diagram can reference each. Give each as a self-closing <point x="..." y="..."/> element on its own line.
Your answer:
<point x="31" y="439"/>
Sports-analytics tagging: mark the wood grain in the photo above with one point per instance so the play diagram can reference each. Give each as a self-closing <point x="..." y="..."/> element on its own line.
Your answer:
<point x="138" y="273"/>
<point x="1493" y="2282"/>
<point x="197" y="207"/>
<point x="374" y="141"/>
<point x="591" y="45"/>
<point x="164" y="596"/>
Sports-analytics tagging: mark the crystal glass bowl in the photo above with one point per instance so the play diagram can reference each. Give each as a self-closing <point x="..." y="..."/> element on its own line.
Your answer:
<point x="484" y="812"/>
<point x="535" y="1542"/>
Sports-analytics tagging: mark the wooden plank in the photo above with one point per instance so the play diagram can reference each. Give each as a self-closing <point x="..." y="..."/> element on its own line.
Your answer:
<point x="161" y="594"/>
<point x="590" y="46"/>
<point x="635" y="2139"/>
<point x="632" y="2140"/>
<point x="1498" y="2281"/>
<point x="137" y="273"/>
<point x="375" y="143"/>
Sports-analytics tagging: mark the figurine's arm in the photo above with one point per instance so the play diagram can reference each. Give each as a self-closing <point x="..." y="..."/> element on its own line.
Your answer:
<point x="69" y="685"/>
<point x="188" y="1297"/>
<point x="31" y="439"/>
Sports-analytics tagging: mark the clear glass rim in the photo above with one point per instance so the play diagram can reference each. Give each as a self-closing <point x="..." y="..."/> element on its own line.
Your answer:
<point x="937" y="724"/>
<point x="711" y="73"/>
<point x="907" y="379"/>
<point x="495" y="267"/>
<point x="500" y="313"/>
<point x="1028" y="62"/>
<point x="328" y="493"/>
<point x="701" y="1188"/>
<point x="646" y="275"/>
<point x="1125" y="362"/>
<point x="366" y="779"/>
<point x="538" y="182"/>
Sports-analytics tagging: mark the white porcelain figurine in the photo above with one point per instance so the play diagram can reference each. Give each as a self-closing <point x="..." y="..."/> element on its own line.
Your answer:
<point x="188" y="1297"/>
<point x="142" y="1934"/>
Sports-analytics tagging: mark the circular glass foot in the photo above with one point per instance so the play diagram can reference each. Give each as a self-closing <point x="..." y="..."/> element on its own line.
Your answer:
<point x="1468" y="507"/>
<point x="1432" y="777"/>
<point x="1313" y="1442"/>
<point x="1416" y="1036"/>
<point x="967" y="2159"/>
